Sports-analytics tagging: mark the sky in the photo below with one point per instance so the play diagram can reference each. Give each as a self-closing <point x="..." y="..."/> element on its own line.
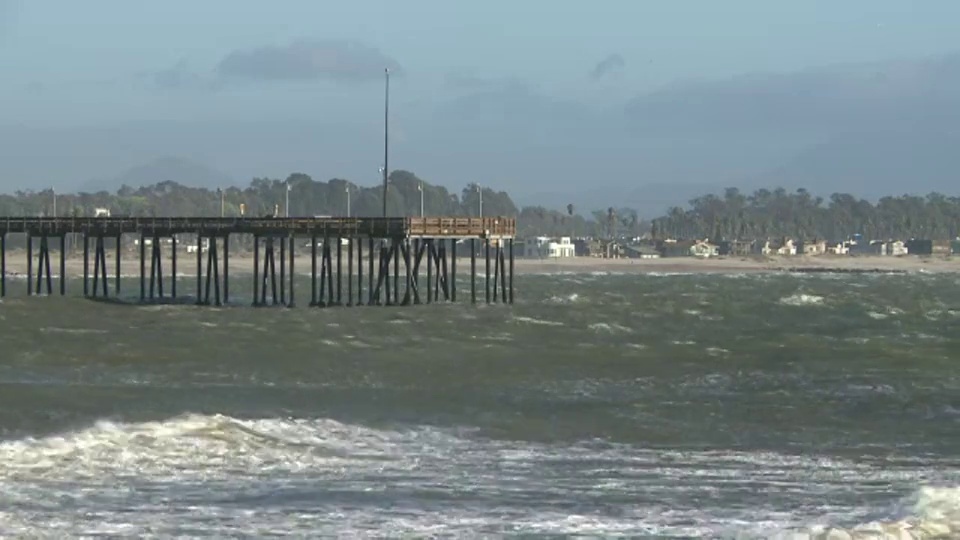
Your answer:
<point x="119" y="70"/>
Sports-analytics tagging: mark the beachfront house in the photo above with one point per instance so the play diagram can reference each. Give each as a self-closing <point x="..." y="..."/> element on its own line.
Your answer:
<point x="787" y="248"/>
<point x="919" y="246"/>
<point x="837" y="248"/>
<point x="734" y="247"/>
<point x="814" y="248"/>
<point x="896" y="248"/>
<point x="535" y="247"/>
<point x="641" y="251"/>
<point x="867" y="248"/>
<point x="675" y="248"/>
<point x="540" y="247"/>
<point x="704" y="249"/>
<point x="563" y="248"/>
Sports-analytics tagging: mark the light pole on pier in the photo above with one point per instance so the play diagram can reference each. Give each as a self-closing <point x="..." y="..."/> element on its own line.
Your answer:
<point x="420" y="189"/>
<point x="220" y="192"/>
<point x="286" y="202"/>
<point x="347" y="189"/>
<point x="480" y="193"/>
<point x="386" y="137"/>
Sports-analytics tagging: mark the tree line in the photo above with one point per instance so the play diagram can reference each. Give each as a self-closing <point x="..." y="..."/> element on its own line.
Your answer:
<point x="767" y="214"/>
<point x="307" y="197"/>
<point x="764" y="214"/>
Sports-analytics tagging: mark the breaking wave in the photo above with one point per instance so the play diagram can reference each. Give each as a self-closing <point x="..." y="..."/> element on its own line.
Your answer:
<point x="214" y="474"/>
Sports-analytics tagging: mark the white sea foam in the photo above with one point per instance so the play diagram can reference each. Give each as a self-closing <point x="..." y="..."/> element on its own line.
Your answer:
<point x="609" y="328"/>
<point x="567" y="299"/>
<point x="802" y="300"/>
<point x="199" y="475"/>
<point x="532" y="320"/>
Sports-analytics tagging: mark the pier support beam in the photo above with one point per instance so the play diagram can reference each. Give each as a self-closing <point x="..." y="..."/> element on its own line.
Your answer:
<point x="86" y="265"/>
<point x="326" y="297"/>
<point x="256" y="270"/>
<point x="209" y="278"/>
<point x="43" y="266"/>
<point x="226" y="269"/>
<point x="351" y="241"/>
<point x="269" y="273"/>
<point x="511" y="270"/>
<point x="143" y="267"/>
<point x="313" y="270"/>
<point x="339" y="271"/>
<point x="473" y="270"/>
<point x="283" y="271"/>
<point x="99" y="267"/>
<point x="370" y="276"/>
<point x="360" y="272"/>
<point x="487" y="273"/>
<point x="156" y="268"/>
<point x="29" y="264"/>
<point x="453" y="269"/>
<point x="292" y="241"/>
<point x="408" y="266"/>
<point x="117" y="275"/>
<point x="63" y="265"/>
<point x="199" y="270"/>
<point x="173" y="266"/>
<point x="3" y="265"/>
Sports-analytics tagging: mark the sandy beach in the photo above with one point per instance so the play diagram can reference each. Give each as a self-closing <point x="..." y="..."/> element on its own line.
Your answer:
<point x="242" y="263"/>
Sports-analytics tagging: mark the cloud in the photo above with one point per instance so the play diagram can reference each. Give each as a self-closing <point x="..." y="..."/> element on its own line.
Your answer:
<point x="305" y="60"/>
<point x="460" y="81"/>
<point x="821" y="100"/>
<point x="613" y="63"/>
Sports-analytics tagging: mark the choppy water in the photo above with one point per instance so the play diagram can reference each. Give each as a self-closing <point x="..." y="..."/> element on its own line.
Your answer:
<point x="717" y="406"/>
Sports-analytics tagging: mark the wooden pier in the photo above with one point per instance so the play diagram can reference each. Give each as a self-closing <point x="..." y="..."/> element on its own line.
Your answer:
<point x="397" y="249"/>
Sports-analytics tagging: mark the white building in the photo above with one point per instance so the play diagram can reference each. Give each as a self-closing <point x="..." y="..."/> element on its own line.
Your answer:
<point x="545" y="247"/>
<point x="704" y="250"/>
<point x="840" y="248"/>
<point x="896" y="248"/>
<point x="562" y="249"/>
<point x="101" y="212"/>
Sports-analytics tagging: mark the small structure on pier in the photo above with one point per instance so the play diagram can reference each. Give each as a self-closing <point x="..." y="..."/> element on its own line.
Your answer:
<point x="396" y="249"/>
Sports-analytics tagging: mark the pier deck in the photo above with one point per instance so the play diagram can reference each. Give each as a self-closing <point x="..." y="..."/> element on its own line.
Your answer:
<point x="436" y="227"/>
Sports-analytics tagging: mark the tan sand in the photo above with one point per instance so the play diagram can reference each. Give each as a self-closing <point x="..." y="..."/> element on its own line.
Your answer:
<point x="242" y="263"/>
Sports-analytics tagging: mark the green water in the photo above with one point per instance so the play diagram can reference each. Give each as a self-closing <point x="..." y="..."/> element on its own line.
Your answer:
<point x="640" y="404"/>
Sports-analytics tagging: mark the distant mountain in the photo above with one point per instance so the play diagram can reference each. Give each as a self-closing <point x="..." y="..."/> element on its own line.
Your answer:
<point x="826" y="100"/>
<point x="869" y="129"/>
<point x="180" y="170"/>
<point x="874" y="164"/>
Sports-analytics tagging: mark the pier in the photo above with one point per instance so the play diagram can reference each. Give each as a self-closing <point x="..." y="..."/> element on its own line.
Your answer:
<point x="353" y="261"/>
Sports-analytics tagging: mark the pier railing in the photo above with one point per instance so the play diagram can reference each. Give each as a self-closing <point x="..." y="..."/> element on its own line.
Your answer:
<point x="442" y="227"/>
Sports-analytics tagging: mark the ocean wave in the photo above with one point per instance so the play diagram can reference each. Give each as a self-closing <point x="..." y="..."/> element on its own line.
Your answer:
<point x="214" y="474"/>
<point x="929" y="513"/>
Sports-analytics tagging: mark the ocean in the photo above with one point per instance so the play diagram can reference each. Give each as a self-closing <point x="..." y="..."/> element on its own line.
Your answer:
<point x="715" y="406"/>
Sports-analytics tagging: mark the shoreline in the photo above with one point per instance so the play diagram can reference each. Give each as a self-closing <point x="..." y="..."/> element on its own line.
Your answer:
<point x="242" y="264"/>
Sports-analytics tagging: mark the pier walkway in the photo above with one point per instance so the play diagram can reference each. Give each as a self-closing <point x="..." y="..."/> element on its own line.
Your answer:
<point x="398" y="250"/>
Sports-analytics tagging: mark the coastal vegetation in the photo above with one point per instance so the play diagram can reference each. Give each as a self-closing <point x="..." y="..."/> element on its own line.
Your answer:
<point x="731" y="215"/>
<point x="778" y="213"/>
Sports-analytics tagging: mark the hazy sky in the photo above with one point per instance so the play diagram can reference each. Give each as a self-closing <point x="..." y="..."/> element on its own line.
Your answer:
<point x="69" y="62"/>
<point x="102" y="63"/>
